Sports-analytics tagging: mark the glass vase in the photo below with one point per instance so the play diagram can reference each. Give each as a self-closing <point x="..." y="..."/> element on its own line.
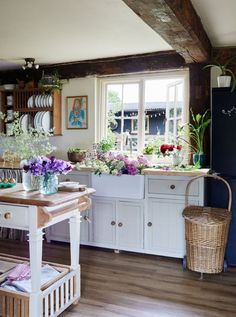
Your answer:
<point x="30" y="182"/>
<point x="177" y="158"/>
<point x="49" y="184"/>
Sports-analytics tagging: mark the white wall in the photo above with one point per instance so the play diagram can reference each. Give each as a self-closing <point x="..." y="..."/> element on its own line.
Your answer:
<point x="81" y="138"/>
<point x="214" y="73"/>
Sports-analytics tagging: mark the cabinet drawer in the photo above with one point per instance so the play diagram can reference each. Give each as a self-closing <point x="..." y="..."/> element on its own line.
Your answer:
<point x="13" y="216"/>
<point x="172" y="187"/>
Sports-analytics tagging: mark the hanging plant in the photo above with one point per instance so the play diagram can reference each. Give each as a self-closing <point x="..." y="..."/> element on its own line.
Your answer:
<point x="50" y="83"/>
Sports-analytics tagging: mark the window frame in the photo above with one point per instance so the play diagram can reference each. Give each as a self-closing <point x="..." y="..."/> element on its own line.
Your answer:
<point x="101" y="109"/>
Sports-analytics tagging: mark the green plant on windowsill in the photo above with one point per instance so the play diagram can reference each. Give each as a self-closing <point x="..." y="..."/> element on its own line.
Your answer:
<point x="106" y="144"/>
<point x="225" y="72"/>
<point x="195" y="135"/>
<point x="149" y="150"/>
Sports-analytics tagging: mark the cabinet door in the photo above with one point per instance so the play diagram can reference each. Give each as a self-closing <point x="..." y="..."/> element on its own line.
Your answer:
<point x="61" y="230"/>
<point x="129" y="225"/>
<point x="103" y="222"/>
<point x="164" y="227"/>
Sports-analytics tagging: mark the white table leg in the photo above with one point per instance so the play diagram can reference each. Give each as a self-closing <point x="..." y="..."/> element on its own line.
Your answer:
<point x="74" y="250"/>
<point x="35" y="245"/>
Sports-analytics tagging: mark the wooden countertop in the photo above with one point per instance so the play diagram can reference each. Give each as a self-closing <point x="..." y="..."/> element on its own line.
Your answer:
<point x="169" y="172"/>
<point x="17" y="195"/>
<point x="8" y="165"/>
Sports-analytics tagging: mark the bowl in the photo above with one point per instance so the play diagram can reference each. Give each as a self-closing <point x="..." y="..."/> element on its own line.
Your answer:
<point x="9" y="86"/>
<point x="76" y="157"/>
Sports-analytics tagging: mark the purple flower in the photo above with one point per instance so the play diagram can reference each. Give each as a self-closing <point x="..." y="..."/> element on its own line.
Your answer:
<point x="41" y="165"/>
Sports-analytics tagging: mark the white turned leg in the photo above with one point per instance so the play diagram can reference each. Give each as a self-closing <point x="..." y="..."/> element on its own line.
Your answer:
<point x="74" y="250"/>
<point x="35" y="246"/>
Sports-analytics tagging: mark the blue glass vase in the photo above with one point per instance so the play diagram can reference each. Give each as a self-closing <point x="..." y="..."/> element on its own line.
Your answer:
<point x="49" y="184"/>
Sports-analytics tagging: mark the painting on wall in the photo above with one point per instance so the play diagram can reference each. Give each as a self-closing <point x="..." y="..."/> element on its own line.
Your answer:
<point x="77" y="112"/>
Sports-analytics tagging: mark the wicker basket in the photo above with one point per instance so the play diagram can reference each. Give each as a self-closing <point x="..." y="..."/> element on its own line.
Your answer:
<point x="206" y="232"/>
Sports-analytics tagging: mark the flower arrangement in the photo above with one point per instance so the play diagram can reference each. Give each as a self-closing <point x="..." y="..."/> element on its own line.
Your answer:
<point x="168" y="149"/>
<point x="25" y="144"/>
<point x="118" y="164"/>
<point x="42" y="165"/>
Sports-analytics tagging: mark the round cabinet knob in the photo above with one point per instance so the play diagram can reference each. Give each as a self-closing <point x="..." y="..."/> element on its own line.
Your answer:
<point x="87" y="219"/>
<point x="120" y="224"/>
<point x="172" y="186"/>
<point x="8" y="215"/>
<point x="113" y="223"/>
<point x="149" y="224"/>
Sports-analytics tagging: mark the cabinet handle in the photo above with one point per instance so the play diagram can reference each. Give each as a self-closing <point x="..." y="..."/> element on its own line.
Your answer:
<point x="87" y="219"/>
<point x="8" y="215"/>
<point x="149" y="224"/>
<point x="120" y="224"/>
<point x="113" y="223"/>
<point x="172" y="186"/>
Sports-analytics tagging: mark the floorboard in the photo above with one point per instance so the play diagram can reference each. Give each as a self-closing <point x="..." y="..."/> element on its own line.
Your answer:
<point x="136" y="285"/>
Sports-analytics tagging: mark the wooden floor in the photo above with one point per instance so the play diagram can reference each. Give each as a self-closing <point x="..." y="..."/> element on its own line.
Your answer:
<point x="134" y="285"/>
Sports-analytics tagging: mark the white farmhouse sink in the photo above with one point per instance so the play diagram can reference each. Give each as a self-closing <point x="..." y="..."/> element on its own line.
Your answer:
<point x="124" y="186"/>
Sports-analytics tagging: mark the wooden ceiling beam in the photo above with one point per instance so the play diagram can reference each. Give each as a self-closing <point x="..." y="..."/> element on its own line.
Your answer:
<point x="157" y="61"/>
<point x="177" y="22"/>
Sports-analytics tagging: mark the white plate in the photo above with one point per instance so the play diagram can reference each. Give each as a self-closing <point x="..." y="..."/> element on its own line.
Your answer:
<point x="46" y="121"/>
<point x="43" y="101"/>
<point x="24" y="122"/>
<point x="30" y="102"/>
<point x="38" y="125"/>
<point x="39" y="100"/>
<point x="36" y="101"/>
<point x="50" y="101"/>
<point x="36" y="120"/>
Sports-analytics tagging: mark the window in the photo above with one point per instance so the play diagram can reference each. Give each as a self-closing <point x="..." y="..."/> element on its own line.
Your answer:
<point x="140" y="109"/>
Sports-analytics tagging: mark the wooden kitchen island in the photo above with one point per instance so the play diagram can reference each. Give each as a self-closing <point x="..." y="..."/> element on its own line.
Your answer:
<point x="34" y="212"/>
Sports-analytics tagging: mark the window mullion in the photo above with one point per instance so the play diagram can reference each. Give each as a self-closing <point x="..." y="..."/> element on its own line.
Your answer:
<point x="141" y="116"/>
<point x="122" y="121"/>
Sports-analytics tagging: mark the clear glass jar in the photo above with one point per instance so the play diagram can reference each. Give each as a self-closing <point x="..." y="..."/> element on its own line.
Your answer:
<point x="30" y="182"/>
<point x="49" y="184"/>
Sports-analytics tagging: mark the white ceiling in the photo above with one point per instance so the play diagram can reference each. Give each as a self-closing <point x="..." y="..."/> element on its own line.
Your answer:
<point x="57" y="31"/>
<point x="219" y="20"/>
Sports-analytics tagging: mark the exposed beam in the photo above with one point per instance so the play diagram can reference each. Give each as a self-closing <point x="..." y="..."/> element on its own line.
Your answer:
<point x="107" y="66"/>
<point x="222" y="54"/>
<point x="177" y="22"/>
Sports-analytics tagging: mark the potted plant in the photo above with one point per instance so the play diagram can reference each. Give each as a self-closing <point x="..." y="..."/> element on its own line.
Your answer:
<point x="50" y="83"/>
<point x="149" y="152"/>
<point x="76" y="155"/>
<point x="196" y="133"/>
<point x="226" y="76"/>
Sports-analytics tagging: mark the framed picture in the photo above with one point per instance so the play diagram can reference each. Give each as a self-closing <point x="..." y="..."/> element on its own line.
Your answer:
<point x="77" y="112"/>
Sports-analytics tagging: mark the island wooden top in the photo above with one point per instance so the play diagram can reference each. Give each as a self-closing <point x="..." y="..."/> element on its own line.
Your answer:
<point x="17" y="195"/>
<point x="169" y="172"/>
<point x="8" y="165"/>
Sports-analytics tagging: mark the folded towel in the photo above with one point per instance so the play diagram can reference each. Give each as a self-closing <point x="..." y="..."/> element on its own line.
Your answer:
<point x="20" y="272"/>
<point x="47" y="273"/>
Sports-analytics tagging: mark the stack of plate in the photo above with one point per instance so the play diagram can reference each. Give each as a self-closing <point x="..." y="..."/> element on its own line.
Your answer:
<point x="26" y="122"/>
<point x="42" y="120"/>
<point x="40" y="101"/>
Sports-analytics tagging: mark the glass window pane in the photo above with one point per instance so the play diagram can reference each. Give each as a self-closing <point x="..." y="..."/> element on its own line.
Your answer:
<point x="179" y="92"/>
<point x="172" y="113"/>
<point x="179" y="112"/>
<point x="171" y="126"/>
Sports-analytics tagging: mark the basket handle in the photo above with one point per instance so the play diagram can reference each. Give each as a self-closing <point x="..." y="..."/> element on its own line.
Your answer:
<point x="211" y="176"/>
